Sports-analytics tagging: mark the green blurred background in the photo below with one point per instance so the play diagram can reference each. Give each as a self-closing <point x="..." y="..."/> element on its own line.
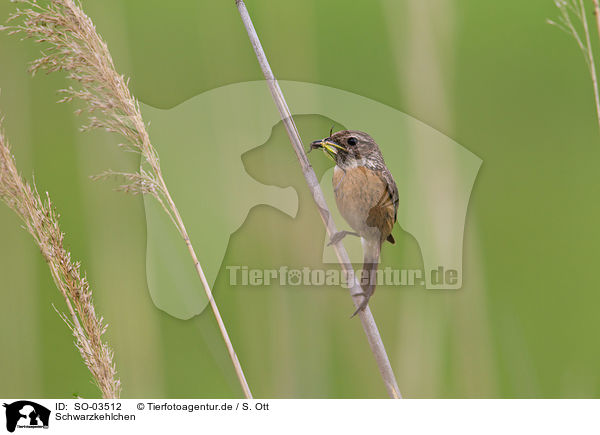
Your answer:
<point x="491" y="75"/>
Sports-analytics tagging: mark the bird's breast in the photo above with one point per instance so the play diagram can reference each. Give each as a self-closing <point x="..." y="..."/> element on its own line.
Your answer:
<point x="363" y="201"/>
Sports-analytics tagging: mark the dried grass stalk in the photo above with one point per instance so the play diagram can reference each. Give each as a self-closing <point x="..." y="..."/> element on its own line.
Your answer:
<point x="575" y="8"/>
<point x="74" y="46"/>
<point x="41" y="220"/>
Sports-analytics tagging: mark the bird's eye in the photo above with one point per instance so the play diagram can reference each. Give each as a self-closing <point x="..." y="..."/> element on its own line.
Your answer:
<point x="352" y="141"/>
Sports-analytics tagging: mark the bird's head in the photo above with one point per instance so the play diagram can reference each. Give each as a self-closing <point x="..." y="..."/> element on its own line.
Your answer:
<point x="350" y="148"/>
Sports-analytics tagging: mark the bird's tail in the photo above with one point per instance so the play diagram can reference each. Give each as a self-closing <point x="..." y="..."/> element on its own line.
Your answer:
<point x="368" y="276"/>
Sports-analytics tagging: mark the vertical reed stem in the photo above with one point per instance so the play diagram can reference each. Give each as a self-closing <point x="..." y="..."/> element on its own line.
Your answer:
<point x="597" y="15"/>
<point x="368" y="322"/>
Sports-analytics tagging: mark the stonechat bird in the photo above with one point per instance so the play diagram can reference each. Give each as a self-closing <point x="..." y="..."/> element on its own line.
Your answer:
<point x="366" y="196"/>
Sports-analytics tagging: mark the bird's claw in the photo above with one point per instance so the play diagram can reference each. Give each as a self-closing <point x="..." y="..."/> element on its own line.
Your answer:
<point x="337" y="237"/>
<point x="363" y="304"/>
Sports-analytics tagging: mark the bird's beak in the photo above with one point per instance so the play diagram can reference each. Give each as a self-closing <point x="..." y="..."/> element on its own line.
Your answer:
<point x="328" y="146"/>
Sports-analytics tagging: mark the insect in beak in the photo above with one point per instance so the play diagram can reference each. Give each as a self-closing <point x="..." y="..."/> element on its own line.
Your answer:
<point x="328" y="146"/>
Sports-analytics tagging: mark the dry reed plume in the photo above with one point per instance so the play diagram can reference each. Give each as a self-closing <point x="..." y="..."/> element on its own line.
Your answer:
<point x="75" y="47"/>
<point x="575" y="8"/>
<point x="41" y="220"/>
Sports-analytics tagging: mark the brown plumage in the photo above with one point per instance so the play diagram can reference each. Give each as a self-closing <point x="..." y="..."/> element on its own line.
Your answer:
<point x="366" y="196"/>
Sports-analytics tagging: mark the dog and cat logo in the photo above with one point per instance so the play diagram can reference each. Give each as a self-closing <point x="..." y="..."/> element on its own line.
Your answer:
<point x="26" y="414"/>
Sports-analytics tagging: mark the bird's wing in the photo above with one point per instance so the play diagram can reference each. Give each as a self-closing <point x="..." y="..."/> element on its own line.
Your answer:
<point x="392" y="190"/>
<point x="383" y="215"/>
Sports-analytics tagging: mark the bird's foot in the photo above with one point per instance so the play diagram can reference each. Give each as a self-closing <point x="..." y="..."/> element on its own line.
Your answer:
<point x="363" y="304"/>
<point x="337" y="237"/>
